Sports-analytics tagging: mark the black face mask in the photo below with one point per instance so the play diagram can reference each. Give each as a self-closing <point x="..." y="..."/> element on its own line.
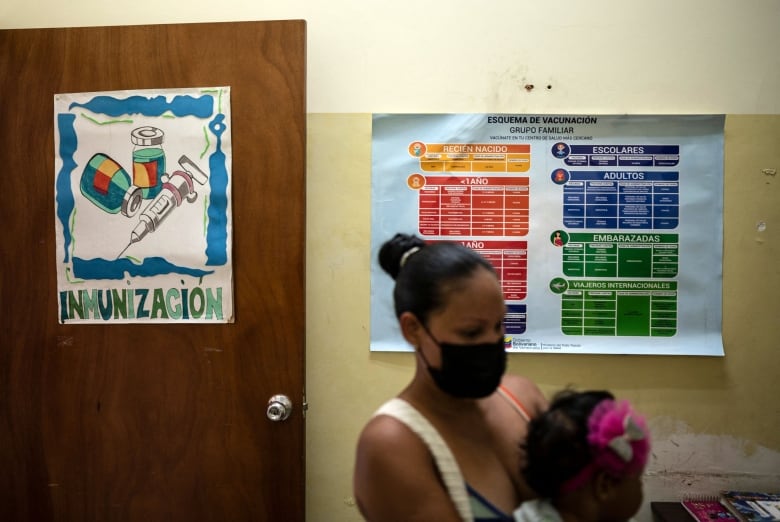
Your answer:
<point x="469" y="370"/>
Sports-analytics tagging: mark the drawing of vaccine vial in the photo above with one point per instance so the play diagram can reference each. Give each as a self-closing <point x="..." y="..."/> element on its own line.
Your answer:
<point x="148" y="160"/>
<point x="105" y="183"/>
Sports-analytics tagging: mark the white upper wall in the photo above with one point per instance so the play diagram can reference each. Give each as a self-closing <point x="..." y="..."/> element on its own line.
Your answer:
<point x="597" y="56"/>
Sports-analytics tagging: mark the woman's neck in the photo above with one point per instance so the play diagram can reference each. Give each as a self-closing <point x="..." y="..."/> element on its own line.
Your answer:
<point x="424" y="395"/>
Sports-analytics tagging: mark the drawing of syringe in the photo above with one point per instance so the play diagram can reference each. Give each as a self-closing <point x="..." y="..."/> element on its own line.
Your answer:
<point x="176" y="189"/>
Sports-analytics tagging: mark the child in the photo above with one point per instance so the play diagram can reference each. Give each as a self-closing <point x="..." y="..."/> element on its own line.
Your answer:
<point x="585" y="457"/>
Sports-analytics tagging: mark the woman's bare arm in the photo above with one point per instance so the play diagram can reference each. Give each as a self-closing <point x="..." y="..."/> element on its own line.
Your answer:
<point x="395" y="477"/>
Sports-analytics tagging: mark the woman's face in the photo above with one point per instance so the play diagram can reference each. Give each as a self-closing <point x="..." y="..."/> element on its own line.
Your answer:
<point x="473" y="313"/>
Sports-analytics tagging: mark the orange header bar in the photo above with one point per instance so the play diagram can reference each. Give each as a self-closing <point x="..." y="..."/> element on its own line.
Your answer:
<point x="478" y="148"/>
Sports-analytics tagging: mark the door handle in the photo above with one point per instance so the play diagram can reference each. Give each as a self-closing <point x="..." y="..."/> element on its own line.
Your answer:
<point x="279" y="408"/>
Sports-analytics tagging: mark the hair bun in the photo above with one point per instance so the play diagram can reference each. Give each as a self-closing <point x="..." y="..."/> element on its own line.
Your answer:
<point x="396" y="251"/>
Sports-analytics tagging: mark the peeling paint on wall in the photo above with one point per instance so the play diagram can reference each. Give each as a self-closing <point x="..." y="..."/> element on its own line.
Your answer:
<point x="684" y="463"/>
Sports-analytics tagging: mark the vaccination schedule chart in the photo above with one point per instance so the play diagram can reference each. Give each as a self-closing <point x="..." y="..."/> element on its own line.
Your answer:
<point x="594" y="224"/>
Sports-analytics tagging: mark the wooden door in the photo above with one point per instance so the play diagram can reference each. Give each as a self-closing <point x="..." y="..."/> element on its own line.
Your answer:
<point x="155" y="422"/>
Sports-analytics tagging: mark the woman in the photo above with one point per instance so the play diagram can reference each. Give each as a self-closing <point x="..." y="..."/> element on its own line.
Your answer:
<point x="448" y="447"/>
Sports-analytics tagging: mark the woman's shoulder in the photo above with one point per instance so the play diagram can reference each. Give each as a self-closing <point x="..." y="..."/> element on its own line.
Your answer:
<point x="383" y="429"/>
<point x="526" y="391"/>
<point x="390" y="432"/>
<point x="395" y="477"/>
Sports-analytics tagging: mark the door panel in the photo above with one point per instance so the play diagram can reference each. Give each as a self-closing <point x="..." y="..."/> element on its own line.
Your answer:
<point x="153" y="421"/>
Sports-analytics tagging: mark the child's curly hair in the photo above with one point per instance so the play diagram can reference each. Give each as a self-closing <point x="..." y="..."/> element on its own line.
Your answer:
<point x="579" y="433"/>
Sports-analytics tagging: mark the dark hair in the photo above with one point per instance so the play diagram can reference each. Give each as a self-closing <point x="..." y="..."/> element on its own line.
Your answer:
<point x="556" y="445"/>
<point x="423" y="277"/>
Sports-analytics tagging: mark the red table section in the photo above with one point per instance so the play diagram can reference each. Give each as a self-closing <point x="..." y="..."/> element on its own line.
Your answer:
<point x="476" y="206"/>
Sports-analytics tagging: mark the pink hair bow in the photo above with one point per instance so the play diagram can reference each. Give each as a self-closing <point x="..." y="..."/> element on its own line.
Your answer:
<point x="619" y="441"/>
<point x="621" y="444"/>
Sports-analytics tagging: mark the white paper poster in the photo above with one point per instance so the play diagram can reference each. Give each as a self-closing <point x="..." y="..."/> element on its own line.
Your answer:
<point x="142" y="206"/>
<point x="606" y="231"/>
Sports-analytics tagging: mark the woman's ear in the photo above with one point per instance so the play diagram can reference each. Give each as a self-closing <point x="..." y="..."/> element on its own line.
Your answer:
<point x="411" y="328"/>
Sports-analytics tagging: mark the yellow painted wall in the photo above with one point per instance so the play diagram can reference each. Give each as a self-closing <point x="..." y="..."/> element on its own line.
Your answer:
<point x="715" y="421"/>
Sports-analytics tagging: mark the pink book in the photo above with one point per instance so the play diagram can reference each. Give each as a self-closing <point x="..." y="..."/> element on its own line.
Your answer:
<point x="708" y="510"/>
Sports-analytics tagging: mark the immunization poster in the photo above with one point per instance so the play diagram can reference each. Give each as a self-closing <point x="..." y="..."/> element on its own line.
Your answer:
<point x="142" y="206"/>
<point x="606" y="231"/>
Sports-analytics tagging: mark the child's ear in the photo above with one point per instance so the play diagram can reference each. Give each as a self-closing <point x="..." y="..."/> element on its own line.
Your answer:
<point x="603" y="485"/>
<point x="411" y="328"/>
